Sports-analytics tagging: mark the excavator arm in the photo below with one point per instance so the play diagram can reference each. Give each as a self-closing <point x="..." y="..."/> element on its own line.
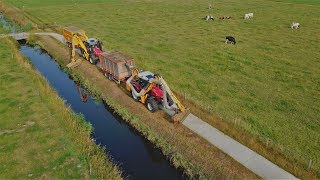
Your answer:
<point x="179" y="104"/>
<point x="172" y="96"/>
<point x="179" y="116"/>
<point x="76" y="40"/>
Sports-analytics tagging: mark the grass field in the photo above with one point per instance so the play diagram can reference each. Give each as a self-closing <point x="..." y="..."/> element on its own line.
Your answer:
<point x="39" y="136"/>
<point x="269" y="80"/>
<point x="195" y="156"/>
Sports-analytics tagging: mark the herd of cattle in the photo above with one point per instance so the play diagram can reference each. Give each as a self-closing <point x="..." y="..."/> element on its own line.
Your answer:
<point x="232" y="40"/>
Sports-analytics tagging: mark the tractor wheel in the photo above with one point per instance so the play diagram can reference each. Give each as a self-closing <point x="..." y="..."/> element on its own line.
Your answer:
<point x="107" y="75"/>
<point x="91" y="60"/>
<point x="110" y="77"/>
<point x="136" y="98"/>
<point x="152" y="105"/>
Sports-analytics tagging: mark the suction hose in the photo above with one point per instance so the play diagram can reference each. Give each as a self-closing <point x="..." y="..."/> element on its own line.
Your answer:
<point x="128" y="82"/>
<point x="165" y="90"/>
<point x="165" y="101"/>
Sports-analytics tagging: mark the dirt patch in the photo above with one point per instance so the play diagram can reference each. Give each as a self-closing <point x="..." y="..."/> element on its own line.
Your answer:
<point x="195" y="150"/>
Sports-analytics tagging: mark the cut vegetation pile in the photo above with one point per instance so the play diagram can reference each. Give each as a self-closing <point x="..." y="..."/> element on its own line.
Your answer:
<point x="267" y="84"/>
<point x="39" y="136"/>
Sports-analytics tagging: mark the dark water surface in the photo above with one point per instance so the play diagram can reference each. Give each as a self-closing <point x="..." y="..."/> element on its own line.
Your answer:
<point x="137" y="157"/>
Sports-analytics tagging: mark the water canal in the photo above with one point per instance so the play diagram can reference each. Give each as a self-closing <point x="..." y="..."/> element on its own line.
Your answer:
<point x="138" y="158"/>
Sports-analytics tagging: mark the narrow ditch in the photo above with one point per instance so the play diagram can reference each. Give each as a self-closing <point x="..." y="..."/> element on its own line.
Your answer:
<point x="136" y="156"/>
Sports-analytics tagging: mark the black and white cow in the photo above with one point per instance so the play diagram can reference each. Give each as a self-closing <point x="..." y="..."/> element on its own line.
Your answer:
<point x="230" y="39"/>
<point x="209" y="17"/>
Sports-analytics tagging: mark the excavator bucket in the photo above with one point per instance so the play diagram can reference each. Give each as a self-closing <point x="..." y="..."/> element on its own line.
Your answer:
<point x="181" y="116"/>
<point x="74" y="64"/>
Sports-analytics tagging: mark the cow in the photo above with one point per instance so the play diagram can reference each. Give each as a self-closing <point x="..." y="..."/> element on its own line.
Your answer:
<point x="248" y="16"/>
<point x="295" y="25"/>
<point x="209" y="17"/>
<point x="230" y="39"/>
<point x="225" y="17"/>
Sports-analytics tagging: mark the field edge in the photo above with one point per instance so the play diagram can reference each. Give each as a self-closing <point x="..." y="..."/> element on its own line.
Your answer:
<point x="98" y="161"/>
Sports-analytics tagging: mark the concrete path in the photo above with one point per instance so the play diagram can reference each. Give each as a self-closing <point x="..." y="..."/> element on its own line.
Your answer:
<point x="17" y="36"/>
<point x="250" y="159"/>
<point x="57" y="36"/>
<point x="24" y="35"/>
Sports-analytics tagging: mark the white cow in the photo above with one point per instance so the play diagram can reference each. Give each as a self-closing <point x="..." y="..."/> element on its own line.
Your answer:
<point x="248" y="15"/>
<point x="295" y="25"/>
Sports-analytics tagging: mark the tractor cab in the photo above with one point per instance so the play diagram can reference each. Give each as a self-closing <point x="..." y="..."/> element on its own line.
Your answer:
<point x="93" y="43"/>
<point x="94" y="47"/>
<point x="144" y="78"/>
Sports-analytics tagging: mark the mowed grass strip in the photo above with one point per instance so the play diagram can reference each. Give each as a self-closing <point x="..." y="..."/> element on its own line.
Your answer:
<point x="39" y="136"/>
<point x="269" y="81"/>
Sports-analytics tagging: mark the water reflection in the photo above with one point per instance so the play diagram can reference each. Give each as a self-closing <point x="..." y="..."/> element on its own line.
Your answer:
<point x="83" y="96"/>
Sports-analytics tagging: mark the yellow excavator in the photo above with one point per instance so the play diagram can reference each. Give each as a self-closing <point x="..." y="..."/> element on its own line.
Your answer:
<point x="74" y="62"/>
<point x="153" y="91"/>
<point x="88" y="48"/>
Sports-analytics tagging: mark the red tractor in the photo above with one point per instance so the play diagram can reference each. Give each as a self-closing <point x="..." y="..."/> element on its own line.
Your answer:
<point x="146" y="91"/>
<point x="153" y="91"/>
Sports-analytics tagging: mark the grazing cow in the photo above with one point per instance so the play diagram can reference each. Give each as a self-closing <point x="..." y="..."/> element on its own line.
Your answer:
<point x="230" y="39"/>
<point x="248" y="16"/>
<point x="207" y="18"/>
<point x="295" y="25"/>
<point x="225" y="17"/>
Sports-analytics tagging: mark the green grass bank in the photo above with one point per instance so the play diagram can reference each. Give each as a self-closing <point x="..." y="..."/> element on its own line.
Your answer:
<point x="268" y="83"/>
<point x="40" y="137"/>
